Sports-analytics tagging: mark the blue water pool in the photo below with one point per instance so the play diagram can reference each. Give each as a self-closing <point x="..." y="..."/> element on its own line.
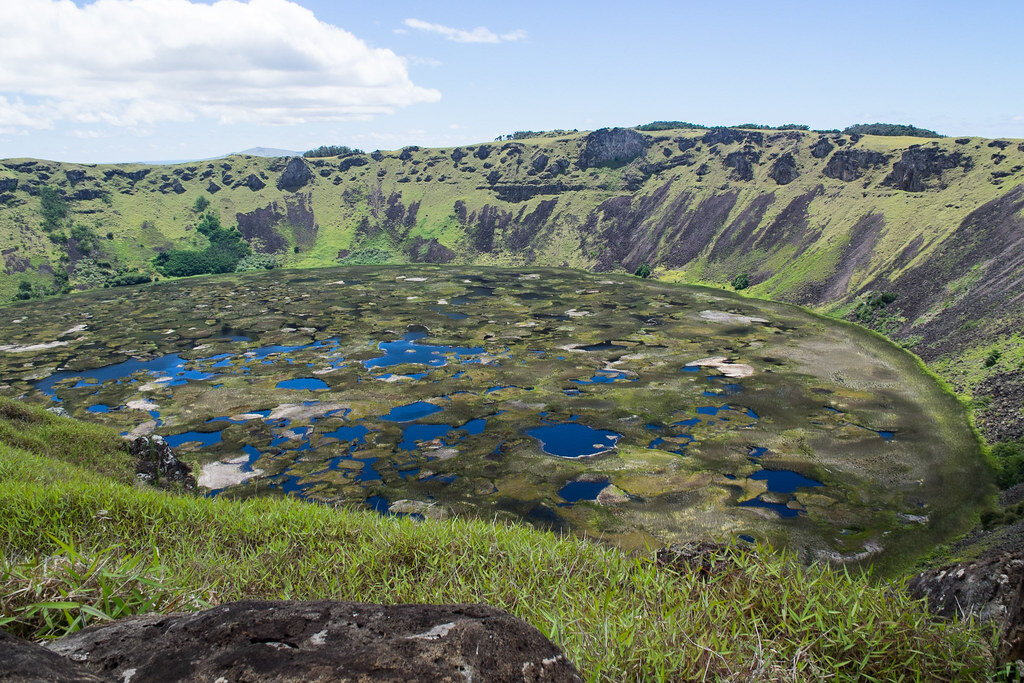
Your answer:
<point x="573" y="440"/>
<point x="307" y="383"/>
<point x="407" y="350"/>
<point x="410" y="412"/>
<point x="575" y="491"/>
<point x="784" y="481"/>
<point x="205" y="438"/>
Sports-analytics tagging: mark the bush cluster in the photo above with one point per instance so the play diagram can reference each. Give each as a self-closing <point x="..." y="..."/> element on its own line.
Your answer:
<point x="53" y="207"/>
<point x="669" y="125"/>
<point x="890" y="129"/>
<point x="331" y="151"/>
<point x="866" y="310"/>
<point x="1009" y="462"/>
<point x="255" y="262"/>
<point x="225" y="251"/>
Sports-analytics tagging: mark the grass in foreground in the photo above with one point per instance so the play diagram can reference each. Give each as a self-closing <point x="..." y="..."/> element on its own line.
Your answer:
<point x="81" y="547"/>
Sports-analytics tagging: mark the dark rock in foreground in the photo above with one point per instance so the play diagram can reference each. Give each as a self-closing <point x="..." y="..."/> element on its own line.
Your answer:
<point x="989" y="589"/>
<point x="320" y="641"/>
<point x="21" y="660"/>
<point x="155" y="463"/>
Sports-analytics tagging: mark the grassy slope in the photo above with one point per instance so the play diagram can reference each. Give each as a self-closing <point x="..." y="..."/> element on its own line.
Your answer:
<point x="74" y="530"/>
<point x="341" y="200"/>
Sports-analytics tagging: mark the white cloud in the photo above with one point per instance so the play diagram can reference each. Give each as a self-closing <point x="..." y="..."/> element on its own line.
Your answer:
<point x="423" y="61"/>
<point x="139" y="62"/>
<point x="480" y="34"/>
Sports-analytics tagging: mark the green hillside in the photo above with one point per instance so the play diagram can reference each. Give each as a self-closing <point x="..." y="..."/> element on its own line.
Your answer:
<point x="82" y="545"/>
<point x="821" y="219"/>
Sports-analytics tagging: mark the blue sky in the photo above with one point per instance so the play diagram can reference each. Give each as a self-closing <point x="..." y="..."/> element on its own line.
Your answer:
<point x="126" y="80"/>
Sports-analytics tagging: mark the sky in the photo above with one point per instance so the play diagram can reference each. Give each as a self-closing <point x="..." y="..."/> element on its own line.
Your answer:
<point x="151" y="80"/>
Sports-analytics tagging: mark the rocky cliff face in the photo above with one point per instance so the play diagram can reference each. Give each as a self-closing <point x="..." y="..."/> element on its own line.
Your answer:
<point x="818" y="219"/>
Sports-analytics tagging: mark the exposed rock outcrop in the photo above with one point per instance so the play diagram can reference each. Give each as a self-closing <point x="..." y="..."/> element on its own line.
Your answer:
<point x="742" y="164"/>
<point x="784" y="171"/>
<point x="155" y="463"/>
<point x="611" y="146"/>
<point x="920" y="163"/>
<point x="134" y="176"/>
<point x="174" y="186"/>
<point x="822" y="148"/>
<point x="989" y="589"/>
<point x="321" y="641"/>
<point x="848" y="164"/>
<point x="351" y="162"/>
<point x="87" y="193"/>
<point x="74" y="176"/>
<point x="728" y="136"/>
<point x="295" y="175"/>
<point x="253" y="182"/>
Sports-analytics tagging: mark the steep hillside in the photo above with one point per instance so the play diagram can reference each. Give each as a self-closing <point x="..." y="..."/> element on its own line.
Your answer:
<point x="824" y="220"/>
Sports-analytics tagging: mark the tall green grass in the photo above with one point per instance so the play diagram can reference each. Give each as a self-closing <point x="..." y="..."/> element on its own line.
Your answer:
<point x="80" y="548"/>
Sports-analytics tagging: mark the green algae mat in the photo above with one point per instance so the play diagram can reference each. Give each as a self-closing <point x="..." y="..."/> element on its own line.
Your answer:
<point x="631" y="411"/>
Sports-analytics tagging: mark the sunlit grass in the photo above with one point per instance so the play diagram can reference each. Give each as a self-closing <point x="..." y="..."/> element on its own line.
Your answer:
<point x="81" y="548"/>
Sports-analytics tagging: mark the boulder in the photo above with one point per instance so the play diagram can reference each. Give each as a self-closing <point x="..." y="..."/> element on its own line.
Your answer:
<point x="989" y="589"/>
<point x="611" y="146"/>
<point x="295" y="176"/>
<point x="155" y="463"/>
<point x="320" y="640"/>
<point x="21" y="660"/>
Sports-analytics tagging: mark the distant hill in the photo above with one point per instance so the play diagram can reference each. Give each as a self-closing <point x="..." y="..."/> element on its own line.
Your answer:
<point x="919" y="238"/>
<point x="269" y="152"/>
